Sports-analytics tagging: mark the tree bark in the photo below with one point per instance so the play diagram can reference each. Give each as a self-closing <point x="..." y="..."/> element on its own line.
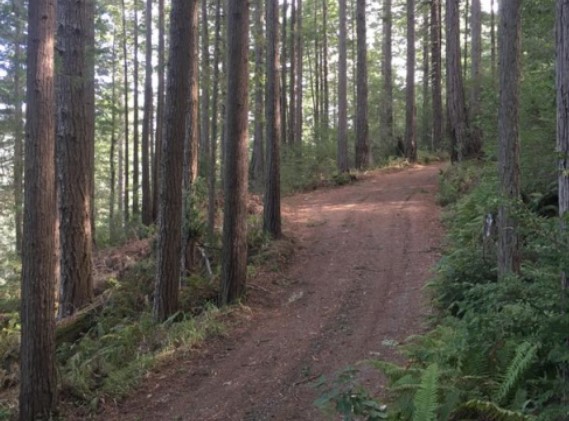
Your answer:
<point x="342" y="158"/>
<point x="410" y="109"/>
<point x="386" y="126"/>
<point x="293" y="69"/>
<point x="38" y="385"/>
<point x="426" y="117"/>
<point x="466" y="36"/>
<point x="206" y="91"/>
<point x="284" y="102"/>
<point x="234" y="253"/>
<point x="476" y="78"/>
<point x="147" y="122"/>
<point x="114" y="99"/>
<point x="437" y="72"/>
<point x="172" y="160"/>
<point x="272" y="208"/>
<point x="456" y="107"/>
<point x="509" y="138"/>
<point x="299" y="71"/>
<point x="362" y="125"/>
<point x="325" y="71"/>
<point x="258" y="157"/>
<point x="73" y="159"/>
<point x="493" y="39"/>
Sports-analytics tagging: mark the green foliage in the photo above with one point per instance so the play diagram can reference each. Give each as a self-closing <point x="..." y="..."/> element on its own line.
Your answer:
<point x="426" y="400"/>
<point x="525" y="353"/>
<point x="477" y="410"/>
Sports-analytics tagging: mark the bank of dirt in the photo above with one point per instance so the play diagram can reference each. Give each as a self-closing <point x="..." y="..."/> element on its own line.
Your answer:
<point x="354" y="287"/>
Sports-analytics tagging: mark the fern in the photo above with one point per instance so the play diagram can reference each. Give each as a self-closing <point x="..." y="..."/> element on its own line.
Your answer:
<point x="426" y="400"/>
<point x="525" y="353"/>
<point x="477" y="410"/>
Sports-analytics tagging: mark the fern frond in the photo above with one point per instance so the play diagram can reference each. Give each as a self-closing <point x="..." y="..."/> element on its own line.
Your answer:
<point x="426" y="399"/>
<point x="477" y="409"/>
<point x="525" y="353"/>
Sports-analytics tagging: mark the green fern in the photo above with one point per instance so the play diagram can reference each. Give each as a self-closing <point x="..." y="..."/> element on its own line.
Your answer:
<point x="525" y="354"/>
<point x="426" y="399"/>
<point x="477" y="409"/>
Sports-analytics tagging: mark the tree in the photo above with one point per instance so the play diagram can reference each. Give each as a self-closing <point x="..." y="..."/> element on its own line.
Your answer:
<point x="476" y="77"/>
<point x="410" y="110"/>
<point x="562" y="64"/>
<point x="342" y="158"/>
<point x="89" y="79"/>
<point x="159" y="112"/>
<point x="425" y="114"/>
<point x="493" y="39"/>
<point x="234" y="253"/>
<point x="147" y="121"/>
<point x="206" y="91"/>
<point x="73" y="159"/>
<point x="135" y="123"/>
<point x="386" y="124"/>
<point x="437" y="72"/>
<point x="126" y="203"/>
<point x="362" y="125"/>
<point x="293" y="70"/>
<point x="38" y="385"/>
<point x="299" y="78"/>
<point x="114" y="99"/>
<point x="257" y="169"/>
<point x="284" y="102"/>
<point x="272" y="208"/>
<point x="172" y="160"/>
<point x="508" y="132"/>
<point x="456" y="107"/>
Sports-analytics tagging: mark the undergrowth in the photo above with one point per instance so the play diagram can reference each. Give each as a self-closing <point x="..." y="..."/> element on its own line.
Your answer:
<point x="497" y="350"/>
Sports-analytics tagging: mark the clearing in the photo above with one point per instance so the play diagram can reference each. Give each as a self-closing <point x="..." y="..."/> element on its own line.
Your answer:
<point x="354" y="287"/>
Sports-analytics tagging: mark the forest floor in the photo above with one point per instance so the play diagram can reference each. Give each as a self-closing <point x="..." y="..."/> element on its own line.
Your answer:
<point x="354" y="287"/>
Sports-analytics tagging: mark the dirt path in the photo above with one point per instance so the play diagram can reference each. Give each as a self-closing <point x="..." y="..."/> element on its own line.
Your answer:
<point x="354" y="286"/>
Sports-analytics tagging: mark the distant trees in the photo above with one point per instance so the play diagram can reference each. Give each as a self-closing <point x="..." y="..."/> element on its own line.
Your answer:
<point x="508" y="131"/>
<point x="234" y="253"/>
<point x="38" y="385"/>
<point x="342" y="149"/>
<point x="437" y="103"/>
<point x="147" y="121"/>
<point x="410" y="111"/>
<point x="362" y="124"/>
<point x="386" y="124"/>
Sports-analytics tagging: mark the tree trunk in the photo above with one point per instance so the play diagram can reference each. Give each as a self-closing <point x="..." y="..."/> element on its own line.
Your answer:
<point x="234" y="254"/>
<point x="437" y="72"/>
<point x="18" y="9"/>
<point x="456" y="107"/>
<point x="466" y="36"/>
<point x="284" y="102"/>
<point x="206" y="92"/>
<point x="509" y="138"/>
<point x="386" y="124"/>
<point x="476" y="76"/>
<point x="325" y="83"/>
<point x="126" y="202"/>
<point x="214" y="123"/>
<point x="112" y="225"/>
<point x="38" y="386"/>
<point x="342" y="158"/>
<point x="426" y="117"/>
<point x="73" y="158"/>
<point x="135" y="123"/>
<point x="159" y="111"/>
<point x="493" y="39"/>
<point x="258" y="157"/>
<point x="146" y="124"/>
<point x="272" y="208"/>
<point x="362" y="125"/>
<point x="410" y="109"/>
<point x="172" y="160"/>
<point x="89" y="77"/>
<point x="299" y="70"/>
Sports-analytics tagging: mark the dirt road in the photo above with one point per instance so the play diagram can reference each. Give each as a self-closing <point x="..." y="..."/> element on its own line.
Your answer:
<point x="354" y="287"/>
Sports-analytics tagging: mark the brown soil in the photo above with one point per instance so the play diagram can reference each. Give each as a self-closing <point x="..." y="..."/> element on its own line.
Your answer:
<point x="353" y="288"/>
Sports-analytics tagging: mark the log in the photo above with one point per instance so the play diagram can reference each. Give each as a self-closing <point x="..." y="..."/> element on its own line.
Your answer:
<point x="71" y="328"/>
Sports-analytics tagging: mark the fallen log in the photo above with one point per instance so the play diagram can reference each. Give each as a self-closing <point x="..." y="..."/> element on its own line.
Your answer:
<point x="71" y="328"/>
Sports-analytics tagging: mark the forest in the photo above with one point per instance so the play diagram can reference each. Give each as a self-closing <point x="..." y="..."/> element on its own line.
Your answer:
<point x="284" y="209"/>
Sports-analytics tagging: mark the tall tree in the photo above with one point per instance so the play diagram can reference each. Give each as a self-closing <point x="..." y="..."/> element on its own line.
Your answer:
<point x="272" y="208"/>
<point x="172" y="161"/>
<point x="159" y="111"/>
<point x="562" y="67"/>
<point x="466" y="37"/>
<point x="476" y="76"/>
<point x="342" y="153"/>
<point x="147" y="121"/>
<point x="206" y="91"/>
<point x="325" y="70"/>
<point x="257" y="169"/>
<point x="18" y="10"/>
<point x="425" y="114"/>
<point x="299" y="78"/>
<point x="410" y="109"/>
<point x="114" y="99"/>
<point x="234" y="253"/>
<point x="73" y="159"/>
<point x="212" y="177"/>
<point x="456" y="107"/>
<point x="493" y="39"/>
<point x="508" y="132"/>
<point x="284" y="102"/>
<point x="38" y="384"/>
<point x="362" y="124"/>
<point x="386" y="124"/>
<point x="136" y="121"/>
<point x="293" y="70"/>
<point x="436" y="72"/>
<point x="126" y="202"/>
